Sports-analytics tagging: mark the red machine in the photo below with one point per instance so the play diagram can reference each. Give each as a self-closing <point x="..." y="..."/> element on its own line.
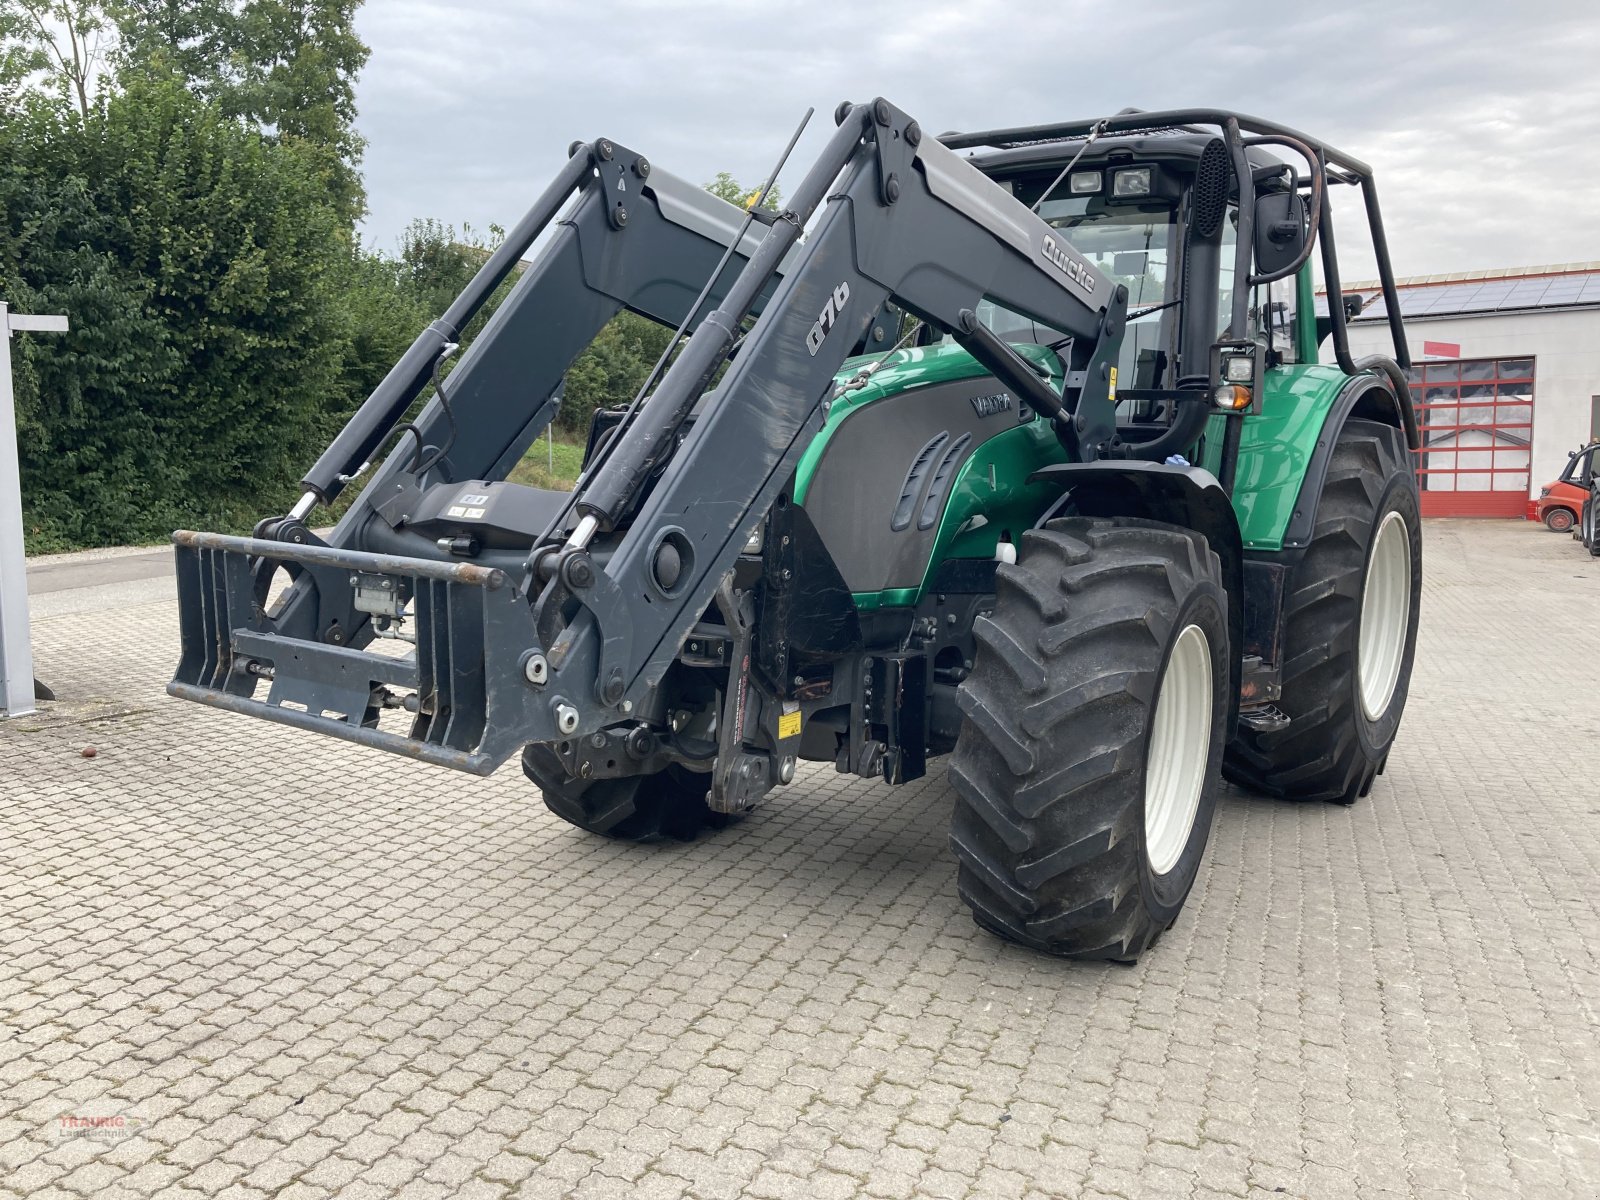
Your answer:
<point x="1560" y="503"/>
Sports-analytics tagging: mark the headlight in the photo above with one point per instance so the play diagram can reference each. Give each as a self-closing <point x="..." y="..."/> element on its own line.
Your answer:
<point x="1238" y="369"/>
<point x="1134" y="182"/>
<point x="1543" y="492"/>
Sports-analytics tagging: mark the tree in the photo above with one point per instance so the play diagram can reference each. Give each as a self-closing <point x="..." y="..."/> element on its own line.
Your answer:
<point x="726" y="187"/>
<point x="21" y="56"/>
<point x="288" y="67"/>
<point x="65" y="39"/>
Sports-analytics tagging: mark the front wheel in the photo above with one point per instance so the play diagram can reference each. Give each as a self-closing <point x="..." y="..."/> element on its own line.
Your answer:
<point x="1558" y="520"/>
<point x="1349" y="629"/>
<point x="1087" y="767"/>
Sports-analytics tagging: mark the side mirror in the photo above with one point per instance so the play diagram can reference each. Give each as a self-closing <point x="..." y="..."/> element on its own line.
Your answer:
<point x="1281" y="230"/>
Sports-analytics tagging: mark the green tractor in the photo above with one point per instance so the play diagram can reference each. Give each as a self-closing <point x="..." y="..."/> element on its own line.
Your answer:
<point x="1011" y="446"/>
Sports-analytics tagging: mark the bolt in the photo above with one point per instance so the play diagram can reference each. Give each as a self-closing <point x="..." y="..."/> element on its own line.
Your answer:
<point x="604" y="149"/>
<point x="913" y="134"/>
<point x="580" y="574"/>
<point x="566" y="718"/>
<point x="891" y="188"/>
<point x="535" y="669"/>
<point x="786" y="769"/>
<point x="585" y="770"/>
<point x="355" y="581"/>
<point x="598" y="741"/>
<point x="641" y="167"/>
<point x="880" y="112"/>
<point x="799" y="681"/>
<point x="627" y="707"/>
<point x="621" y="215"/>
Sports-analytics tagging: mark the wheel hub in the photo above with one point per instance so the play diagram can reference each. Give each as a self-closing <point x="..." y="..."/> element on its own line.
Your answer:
<point x="1385" y="616"/>
<point x="1180" y="743"/>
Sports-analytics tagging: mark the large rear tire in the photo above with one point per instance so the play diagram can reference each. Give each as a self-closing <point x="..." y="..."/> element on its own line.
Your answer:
<point x="1087" y="767"/>
<point x="1350" y="630"/>
<point x="639" y="808"/>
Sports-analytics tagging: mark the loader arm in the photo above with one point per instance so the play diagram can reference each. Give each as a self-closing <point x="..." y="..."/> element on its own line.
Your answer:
<point x="579" y="633"/>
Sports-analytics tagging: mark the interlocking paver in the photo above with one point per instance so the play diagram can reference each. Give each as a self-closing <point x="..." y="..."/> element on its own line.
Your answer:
<point x="300" y="968"/>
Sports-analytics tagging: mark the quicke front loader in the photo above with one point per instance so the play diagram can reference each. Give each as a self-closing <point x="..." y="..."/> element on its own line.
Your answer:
<point x="1021" y="455"/>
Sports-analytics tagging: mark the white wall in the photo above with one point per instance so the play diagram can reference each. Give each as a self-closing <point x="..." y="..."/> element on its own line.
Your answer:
<point x="1565" y="347"/>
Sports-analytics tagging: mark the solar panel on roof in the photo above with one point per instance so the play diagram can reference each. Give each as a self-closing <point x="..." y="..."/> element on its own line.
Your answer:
<point x="1471" y="296"/>
<point x="1527" y="293"/>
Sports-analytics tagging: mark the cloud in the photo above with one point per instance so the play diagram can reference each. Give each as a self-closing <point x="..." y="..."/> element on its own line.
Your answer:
<point x="1481" y="119"/>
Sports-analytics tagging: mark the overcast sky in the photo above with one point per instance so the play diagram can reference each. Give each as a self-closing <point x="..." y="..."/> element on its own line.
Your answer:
<point x="1481" y="119"/>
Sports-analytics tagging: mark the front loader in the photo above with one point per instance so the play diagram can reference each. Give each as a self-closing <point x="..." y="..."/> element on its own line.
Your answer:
<point x="1020" y="455"/>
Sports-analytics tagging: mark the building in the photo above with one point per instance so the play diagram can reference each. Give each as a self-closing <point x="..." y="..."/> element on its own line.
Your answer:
<point x="1506" y="382"/>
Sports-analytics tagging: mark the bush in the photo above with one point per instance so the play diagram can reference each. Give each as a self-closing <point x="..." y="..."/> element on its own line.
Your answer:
<point x="201" y="266"/>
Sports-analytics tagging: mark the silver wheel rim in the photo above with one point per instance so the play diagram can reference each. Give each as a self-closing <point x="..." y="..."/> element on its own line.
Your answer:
<point x="1385" y="616"/>
<point x="1180" y="743"/>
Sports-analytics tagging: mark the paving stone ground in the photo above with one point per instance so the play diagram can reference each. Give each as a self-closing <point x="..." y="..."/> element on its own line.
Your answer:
<point x="295" y="968"/>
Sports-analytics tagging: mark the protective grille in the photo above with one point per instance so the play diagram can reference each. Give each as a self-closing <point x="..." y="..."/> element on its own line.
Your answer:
<point x="1211" y="182"/>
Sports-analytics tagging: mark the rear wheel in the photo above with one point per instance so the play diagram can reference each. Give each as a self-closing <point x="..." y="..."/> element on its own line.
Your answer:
<point x="1558" y="520"/>
<point x="1350" y="630"/>
<point x="639" y="808"/>
<point x="1087" y="767"/>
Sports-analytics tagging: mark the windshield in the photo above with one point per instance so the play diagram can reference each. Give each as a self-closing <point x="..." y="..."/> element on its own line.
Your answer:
<point x="1132" y="245"/>
<point x="1128" y="243"/>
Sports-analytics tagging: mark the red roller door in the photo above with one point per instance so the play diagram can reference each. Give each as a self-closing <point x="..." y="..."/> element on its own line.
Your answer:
<point x="1476" y="416"/>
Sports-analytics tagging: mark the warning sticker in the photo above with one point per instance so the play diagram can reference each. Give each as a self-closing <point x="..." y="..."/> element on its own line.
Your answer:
<point x="789" y="721"/>
<point x="1111" y="392"/>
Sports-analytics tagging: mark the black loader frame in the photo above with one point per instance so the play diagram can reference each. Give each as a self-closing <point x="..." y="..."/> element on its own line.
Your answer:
<point x="555" y="644"/>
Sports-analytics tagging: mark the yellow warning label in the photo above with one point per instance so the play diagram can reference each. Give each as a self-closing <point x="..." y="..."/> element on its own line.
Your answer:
<point x="789" y="724"/>
<point x="1113" y="388"/>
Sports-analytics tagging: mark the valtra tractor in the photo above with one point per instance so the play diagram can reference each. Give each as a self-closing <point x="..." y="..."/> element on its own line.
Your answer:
<point x="1008" y="446"/>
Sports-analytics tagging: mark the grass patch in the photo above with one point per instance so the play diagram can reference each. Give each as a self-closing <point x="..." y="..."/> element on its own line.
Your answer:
<point x="535" y="468"/>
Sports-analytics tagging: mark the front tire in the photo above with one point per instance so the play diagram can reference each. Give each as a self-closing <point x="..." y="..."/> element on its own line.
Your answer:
<point x="1558" y="520"/>
<point x="1349" y="630"/>
<point x="638" y="808"/>
<point x="1087" y="767"/>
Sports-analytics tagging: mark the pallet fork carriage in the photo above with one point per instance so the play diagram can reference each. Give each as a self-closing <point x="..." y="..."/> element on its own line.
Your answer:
<point x="700" y="611"/>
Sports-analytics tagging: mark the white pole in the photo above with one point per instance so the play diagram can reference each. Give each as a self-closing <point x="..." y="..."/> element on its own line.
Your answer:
<point x="16" y="652"/>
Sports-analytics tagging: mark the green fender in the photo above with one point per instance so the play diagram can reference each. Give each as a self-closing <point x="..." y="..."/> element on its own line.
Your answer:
<point x="1276" y="446"/>
<point x="991" y="498"/>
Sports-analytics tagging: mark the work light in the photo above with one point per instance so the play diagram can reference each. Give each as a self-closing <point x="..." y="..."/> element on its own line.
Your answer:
<point x="1133" y="182"/>
<point x="1084" y="182"/>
